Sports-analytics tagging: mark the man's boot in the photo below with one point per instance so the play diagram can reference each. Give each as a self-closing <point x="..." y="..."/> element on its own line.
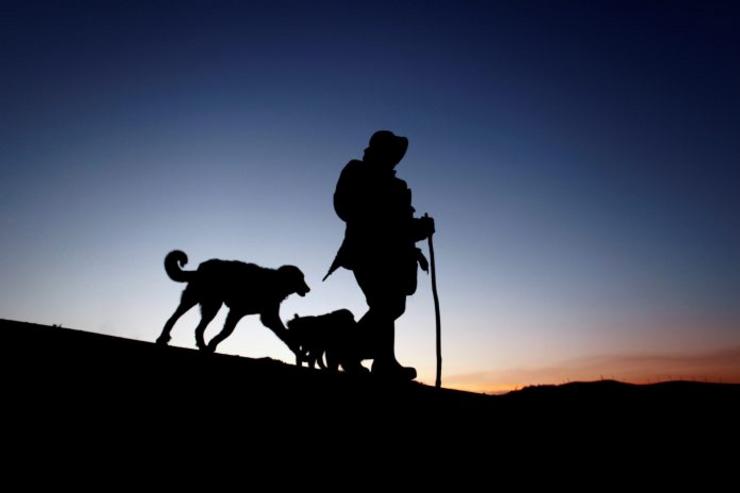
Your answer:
<point x="392" y="370"/>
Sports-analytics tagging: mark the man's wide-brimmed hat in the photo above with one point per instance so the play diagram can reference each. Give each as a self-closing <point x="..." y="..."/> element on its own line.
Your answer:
<point x="389" y="145"/>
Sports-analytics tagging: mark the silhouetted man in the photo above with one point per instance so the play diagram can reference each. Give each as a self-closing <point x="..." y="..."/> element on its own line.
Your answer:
<point x="379" y="245"/>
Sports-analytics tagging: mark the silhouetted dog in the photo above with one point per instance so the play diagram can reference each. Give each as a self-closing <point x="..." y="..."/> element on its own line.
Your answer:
<point x="246" y="289"/>
<point x="333" y="335"/>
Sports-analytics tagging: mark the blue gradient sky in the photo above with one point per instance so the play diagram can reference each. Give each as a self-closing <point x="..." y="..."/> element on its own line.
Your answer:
<point x="582" y="162"/>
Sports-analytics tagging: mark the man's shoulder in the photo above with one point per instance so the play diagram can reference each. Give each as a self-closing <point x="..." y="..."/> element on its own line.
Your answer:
<point x="353" y="169"/>
<point x="354" y="166"/>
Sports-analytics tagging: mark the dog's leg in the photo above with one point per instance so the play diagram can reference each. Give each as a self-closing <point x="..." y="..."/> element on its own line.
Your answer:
<point x="231" y="320"/>
<point x="271" y="319"/>
<point x="208" y="311"/>
<point x="300" y="357"/>
<point x="332" y="361"/>
<point x="187" y="301"/>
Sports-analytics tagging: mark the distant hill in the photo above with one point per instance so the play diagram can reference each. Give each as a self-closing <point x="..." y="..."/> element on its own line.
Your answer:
<point x="60" y="378"/>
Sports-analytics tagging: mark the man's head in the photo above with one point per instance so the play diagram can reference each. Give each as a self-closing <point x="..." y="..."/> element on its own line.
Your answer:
<point x="386" y="149"/>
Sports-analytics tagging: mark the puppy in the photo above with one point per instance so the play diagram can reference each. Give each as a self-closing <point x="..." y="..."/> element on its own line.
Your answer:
<point x="332" y="335"/>
<point x="310" y="340"/>
<point x="247" y="289"/>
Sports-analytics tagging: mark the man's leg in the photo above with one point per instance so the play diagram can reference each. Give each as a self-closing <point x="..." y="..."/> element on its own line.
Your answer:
<point x="385" y="363"/>
<point x="387" y="302"/>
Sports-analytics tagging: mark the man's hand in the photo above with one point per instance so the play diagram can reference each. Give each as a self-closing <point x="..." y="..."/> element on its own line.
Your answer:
<point x="423" y="228"/>
<point x="426" y="223"/>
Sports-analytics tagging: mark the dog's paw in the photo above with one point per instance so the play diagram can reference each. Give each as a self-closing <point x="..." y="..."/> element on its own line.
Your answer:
<point x="162" y="340"/>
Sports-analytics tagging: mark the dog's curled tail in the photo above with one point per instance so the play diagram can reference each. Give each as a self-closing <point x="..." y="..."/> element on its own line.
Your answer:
<point x="173" y="264"/>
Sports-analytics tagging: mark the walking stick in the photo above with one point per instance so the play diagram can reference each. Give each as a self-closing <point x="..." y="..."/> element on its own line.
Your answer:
<point x="438" y="380"/>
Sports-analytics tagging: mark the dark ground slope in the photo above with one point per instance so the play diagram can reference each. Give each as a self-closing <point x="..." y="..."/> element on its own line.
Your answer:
<point x="62" y="379"/>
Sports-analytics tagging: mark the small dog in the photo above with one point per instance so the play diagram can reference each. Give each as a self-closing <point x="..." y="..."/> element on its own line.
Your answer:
<point x="247" y="289"/>
<point x="333" y="335"/>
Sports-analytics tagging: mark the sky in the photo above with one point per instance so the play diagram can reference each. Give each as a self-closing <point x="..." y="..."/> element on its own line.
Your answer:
<point x="581" y="161"/>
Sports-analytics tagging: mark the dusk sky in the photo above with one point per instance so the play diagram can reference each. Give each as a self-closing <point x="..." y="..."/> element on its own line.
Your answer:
<point x="581" y="160"/>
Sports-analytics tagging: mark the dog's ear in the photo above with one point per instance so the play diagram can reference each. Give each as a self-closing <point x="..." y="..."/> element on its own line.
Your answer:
<point x="291" y="271"/>
<point x="294" y="279"/>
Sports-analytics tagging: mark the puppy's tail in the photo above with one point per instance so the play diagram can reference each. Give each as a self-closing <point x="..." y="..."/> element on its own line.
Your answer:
<point x="173" y="264"/>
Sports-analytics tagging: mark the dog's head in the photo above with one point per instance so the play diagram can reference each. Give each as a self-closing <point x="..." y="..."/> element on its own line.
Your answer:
<point x="294" y="279"/>
<point x="341" y="318"/>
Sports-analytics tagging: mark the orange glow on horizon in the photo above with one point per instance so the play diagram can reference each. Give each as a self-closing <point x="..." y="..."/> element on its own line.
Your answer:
<point x="717" y="367"/>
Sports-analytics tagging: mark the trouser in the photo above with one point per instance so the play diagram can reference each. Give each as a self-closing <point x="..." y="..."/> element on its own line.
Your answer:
<point x="385" y="290"/>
